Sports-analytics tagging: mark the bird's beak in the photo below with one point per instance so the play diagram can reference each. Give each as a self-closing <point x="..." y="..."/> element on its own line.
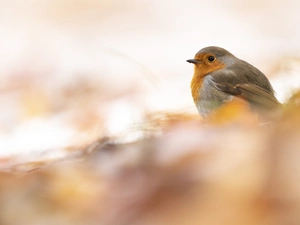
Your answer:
<point x="194" y="61"/>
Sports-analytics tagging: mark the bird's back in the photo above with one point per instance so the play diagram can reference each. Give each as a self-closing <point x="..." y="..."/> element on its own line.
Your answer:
<point x="237" y="73"/>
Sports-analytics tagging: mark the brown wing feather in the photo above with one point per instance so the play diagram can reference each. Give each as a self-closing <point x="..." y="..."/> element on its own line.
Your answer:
<point x="244" y="80"/>
<point x="252" y="93"/>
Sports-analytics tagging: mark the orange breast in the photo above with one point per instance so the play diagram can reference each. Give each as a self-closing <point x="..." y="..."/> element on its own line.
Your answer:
<point x="200" y="71"/>
<point x="196" y="84"/>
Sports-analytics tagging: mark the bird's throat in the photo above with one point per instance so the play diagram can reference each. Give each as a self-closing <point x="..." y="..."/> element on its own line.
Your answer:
<point x="196" y="84"/>
<point x="200" y="71"/>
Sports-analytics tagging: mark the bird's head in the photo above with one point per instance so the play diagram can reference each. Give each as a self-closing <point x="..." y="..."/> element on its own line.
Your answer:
<point x="210" y="59"/>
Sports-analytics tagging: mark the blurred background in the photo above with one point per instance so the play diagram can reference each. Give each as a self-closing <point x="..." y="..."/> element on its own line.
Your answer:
<point x="76" y="72"/>
<point x="84" y="68"/>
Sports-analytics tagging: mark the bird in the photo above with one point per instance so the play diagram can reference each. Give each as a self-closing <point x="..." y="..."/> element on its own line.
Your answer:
<point x="220" y="77"/>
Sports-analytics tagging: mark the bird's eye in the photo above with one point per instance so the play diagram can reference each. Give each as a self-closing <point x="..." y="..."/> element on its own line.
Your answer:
<point x="211" y="58"/>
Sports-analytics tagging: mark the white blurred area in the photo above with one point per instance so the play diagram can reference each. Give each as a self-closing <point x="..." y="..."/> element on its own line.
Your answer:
<point x="72" y="71"/>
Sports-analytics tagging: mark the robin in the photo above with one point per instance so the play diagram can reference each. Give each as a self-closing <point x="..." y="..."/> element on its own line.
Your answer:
<point x="219" y="77"/>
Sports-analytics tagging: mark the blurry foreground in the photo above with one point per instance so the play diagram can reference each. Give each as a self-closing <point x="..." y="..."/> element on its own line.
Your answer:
<point x="188" y="172"/>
